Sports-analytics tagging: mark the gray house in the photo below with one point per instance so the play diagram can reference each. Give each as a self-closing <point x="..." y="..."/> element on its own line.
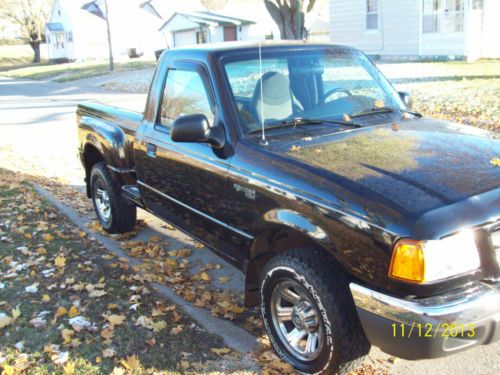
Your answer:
<point x="417" y="29"/>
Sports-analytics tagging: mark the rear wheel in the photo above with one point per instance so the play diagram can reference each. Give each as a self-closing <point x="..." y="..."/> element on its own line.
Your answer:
<point x="309" y="314"/>
<point x="115" y="214"/>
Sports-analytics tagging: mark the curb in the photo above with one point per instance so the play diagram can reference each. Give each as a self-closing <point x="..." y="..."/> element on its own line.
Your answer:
<point x="233" y="336"/>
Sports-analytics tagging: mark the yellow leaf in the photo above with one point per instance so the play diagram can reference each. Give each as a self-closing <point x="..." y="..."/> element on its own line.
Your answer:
<point x="495" y="162"/>
<point x="223" y="279"/>
<point x="73" y="311"/>
<point x="67" y="335"/>
<point x="220" y="351"/>
<point x="16" y="313"/>
<point x="82" y="234"/>
<point x="47" y="237"/>
<point x="98" y="360"/>
<point x="379" y="103"/>
<point x="347" y="117"/>
<point x="5" y="321"/>
<point x="41" y="250"/>
<point x="8" y="370"/>
<point x="69" y="368"/>
<point x="204" y="276"/>
<point x="295" y="148"/>
<point x="237" y="309"/>
<point x="158" y="326"/>
<point x="131" y="363"/>
<point x="113" y="306"/>
<point x="184" y="253"/>
<point x="101" y="280"/>
<point x="116" y="319"/>
<point x="46" y="298"/>
<point x="60" y="261"/>
<point x="61" y="311"/>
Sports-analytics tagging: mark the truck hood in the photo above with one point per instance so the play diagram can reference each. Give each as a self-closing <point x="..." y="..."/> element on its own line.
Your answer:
<point x="415" y="166"/>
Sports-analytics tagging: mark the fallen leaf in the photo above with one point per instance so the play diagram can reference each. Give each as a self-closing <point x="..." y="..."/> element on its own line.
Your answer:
<point x="131" y="363"/>
<point x="223" y="279"/>
<point x="60" y="358"/>
<point x="47" y="237"/>
<point x="61" y="311"/>
<point x="220" y="351"/>
<point x="204" y="276"/>
<point x="5" y="320"/>
<point x="295" y="148"/>
<point x="116" y="319"/>
<point x="69" y="368"/>
<point x="495" y="162"/>
<point x="73" y="311"/>
<point x="108" y="353"/>
<point x="158" y="326"/>
<point x="60" y="261"/>
<point x="46" y="298"/>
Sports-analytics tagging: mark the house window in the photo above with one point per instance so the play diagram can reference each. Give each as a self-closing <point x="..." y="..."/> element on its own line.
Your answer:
<point x="201" y="37"/>
<point x="371" y="14"/>
<point x="477" y="4"/>
<point x="443" y="16"/>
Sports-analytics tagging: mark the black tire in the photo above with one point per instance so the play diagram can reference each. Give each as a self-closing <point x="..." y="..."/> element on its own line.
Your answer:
<point x="344" y="343"/>
<point x="122" y="214"/>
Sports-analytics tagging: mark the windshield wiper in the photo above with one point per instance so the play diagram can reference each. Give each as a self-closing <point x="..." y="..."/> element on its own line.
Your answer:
<point x="297" y="121"/>
<point x="373" y="111"/>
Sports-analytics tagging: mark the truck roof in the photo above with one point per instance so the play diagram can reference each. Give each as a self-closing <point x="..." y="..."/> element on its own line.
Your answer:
<point x="239" y="46"/>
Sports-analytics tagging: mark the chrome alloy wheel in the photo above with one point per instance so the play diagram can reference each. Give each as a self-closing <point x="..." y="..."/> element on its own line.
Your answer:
<point x="296" y="320"/>
<point x="103" y="204"/>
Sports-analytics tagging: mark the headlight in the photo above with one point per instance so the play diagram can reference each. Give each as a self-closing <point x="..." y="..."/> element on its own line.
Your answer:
<point x="427" y="261"/>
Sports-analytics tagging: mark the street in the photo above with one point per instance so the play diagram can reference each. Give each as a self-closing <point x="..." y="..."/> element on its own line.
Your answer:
<point x="38" y="137"/>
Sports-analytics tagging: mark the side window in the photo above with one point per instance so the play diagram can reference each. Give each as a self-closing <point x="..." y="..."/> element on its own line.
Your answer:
<point x="184" y="94"/>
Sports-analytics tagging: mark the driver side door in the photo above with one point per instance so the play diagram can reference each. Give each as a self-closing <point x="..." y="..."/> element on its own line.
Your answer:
<point x="185" y="183"/>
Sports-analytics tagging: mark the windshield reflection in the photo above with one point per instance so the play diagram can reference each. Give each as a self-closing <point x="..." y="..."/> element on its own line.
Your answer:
<point x="327" y="83"/>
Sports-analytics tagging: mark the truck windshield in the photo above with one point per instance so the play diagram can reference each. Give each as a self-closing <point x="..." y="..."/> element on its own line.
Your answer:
<point x="324" y="84"/>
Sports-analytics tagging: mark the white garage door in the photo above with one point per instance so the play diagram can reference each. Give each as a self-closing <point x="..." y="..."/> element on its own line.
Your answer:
<point x="184" y="38"/>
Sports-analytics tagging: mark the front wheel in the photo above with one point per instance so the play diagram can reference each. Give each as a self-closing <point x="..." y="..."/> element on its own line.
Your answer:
<point x="114" y="213"/>
<point x="309" y="315"/>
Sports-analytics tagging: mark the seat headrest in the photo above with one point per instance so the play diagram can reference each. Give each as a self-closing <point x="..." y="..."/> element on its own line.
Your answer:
<point x="277" y="97"/>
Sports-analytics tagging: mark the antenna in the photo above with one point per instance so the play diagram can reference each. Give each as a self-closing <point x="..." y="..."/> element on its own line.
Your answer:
<point x="263" y="141"/>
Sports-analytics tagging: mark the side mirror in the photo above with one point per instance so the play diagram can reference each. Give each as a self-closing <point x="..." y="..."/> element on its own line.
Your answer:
<point x="406" y="98"/>
<point x="195" y="128"/>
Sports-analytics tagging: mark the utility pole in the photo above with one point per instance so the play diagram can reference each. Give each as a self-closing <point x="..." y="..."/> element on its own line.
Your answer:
<point x="111" y="64"/>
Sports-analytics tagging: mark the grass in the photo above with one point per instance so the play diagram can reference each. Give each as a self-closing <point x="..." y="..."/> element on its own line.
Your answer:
<point x="36" y="238"/>
<point x="12" y="56"/>
<point x="467" y="93"/>
<point x="74" y="71"/>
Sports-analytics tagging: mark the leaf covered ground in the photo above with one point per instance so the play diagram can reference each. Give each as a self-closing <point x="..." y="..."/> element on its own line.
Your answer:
<point x="69" y="306"/>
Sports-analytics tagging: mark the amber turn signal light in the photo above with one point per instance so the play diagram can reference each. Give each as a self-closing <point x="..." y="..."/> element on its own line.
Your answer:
<point x="407" y="262"/>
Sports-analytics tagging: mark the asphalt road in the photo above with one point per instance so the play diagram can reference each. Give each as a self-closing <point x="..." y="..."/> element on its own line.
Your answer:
<point x="37" y="122"/>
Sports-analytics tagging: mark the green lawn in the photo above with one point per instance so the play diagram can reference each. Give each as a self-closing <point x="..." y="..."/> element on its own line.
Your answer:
<point x="74" y="71"/>
<point x="15" y="55"/>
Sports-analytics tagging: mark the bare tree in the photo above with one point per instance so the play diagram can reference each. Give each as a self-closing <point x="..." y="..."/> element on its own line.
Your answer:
<point x="32" y="16"/>
<point x="289" y="15"/>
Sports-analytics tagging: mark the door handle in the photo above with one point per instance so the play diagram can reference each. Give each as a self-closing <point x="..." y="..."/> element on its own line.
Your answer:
<point x="151" y="150"/>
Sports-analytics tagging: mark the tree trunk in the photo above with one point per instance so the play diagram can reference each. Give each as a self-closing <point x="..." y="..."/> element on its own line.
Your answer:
<point x="36" y="49"/>
<point x="289" y="17"/>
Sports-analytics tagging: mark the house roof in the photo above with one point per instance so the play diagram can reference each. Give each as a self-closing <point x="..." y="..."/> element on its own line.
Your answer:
<point x="55" y="26"/>
<point x="193" y="20"/>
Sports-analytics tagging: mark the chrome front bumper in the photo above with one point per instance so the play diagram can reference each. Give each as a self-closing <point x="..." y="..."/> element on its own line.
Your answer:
<point x="429" y="327"/>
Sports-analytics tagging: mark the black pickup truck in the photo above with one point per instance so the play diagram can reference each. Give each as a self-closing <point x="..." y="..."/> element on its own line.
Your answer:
<point x="355" y="220"/>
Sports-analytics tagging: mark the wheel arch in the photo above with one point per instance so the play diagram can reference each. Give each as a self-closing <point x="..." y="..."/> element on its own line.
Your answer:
<point x="284" y="230"/>
<point x="92" y="154"/>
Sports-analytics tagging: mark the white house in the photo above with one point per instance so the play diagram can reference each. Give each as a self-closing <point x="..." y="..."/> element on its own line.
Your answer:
<point x="205" y="27"/>
<point x="73" y="33"/>
<point x="418" y="28"/>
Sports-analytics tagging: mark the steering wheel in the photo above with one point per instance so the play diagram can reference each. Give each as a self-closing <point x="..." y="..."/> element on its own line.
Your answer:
<point x="336" y="90"/>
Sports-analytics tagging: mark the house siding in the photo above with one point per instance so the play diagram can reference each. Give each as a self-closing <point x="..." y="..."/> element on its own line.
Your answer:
<point x="398" y="26"/>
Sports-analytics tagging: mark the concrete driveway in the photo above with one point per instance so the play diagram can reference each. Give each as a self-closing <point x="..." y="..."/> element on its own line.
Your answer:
<point x="37" y="124"/>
